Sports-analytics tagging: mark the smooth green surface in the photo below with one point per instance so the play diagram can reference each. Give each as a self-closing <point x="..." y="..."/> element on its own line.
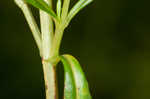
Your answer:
<point x="76" y="85"/>
<point x="69" y="85"/>
<point x="40" y="4"/>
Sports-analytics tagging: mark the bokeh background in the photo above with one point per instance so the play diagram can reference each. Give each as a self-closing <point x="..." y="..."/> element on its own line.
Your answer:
<point x="111" y="38"/>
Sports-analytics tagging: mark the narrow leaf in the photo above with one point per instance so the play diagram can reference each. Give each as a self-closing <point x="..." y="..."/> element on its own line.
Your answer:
<point x="41" y="4"/>
<point x="77" y="75"/>
<point x="59" y="8"/>
<point x="78" y="6"/>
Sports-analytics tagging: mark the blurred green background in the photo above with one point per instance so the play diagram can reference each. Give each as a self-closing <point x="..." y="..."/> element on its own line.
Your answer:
<point x="111" y="38"/>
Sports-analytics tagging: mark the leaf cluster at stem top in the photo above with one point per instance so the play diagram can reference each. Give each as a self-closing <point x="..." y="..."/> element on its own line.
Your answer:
<point x="62" y="12"/>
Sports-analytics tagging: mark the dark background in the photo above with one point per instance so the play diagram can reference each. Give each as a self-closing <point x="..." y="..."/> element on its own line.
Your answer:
<point x="111" y="38"/>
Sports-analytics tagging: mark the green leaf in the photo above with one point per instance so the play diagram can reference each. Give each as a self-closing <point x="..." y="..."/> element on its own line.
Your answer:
<point x="42" y="5"/>
<point x="69" y="85"/>
<point x="76" y="85"/>
<point x="77" y="7"/>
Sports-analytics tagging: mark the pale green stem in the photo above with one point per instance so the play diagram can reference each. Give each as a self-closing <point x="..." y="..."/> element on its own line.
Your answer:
<point x="47" y="31"/>
<point x="50" y="80"/>
<point x="32" y="23"/>
<point x="57" y="40"/>
<point x="48" y="67"/>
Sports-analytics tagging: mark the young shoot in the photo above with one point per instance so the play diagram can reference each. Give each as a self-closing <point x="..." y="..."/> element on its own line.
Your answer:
<point x="48" y="40"/>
